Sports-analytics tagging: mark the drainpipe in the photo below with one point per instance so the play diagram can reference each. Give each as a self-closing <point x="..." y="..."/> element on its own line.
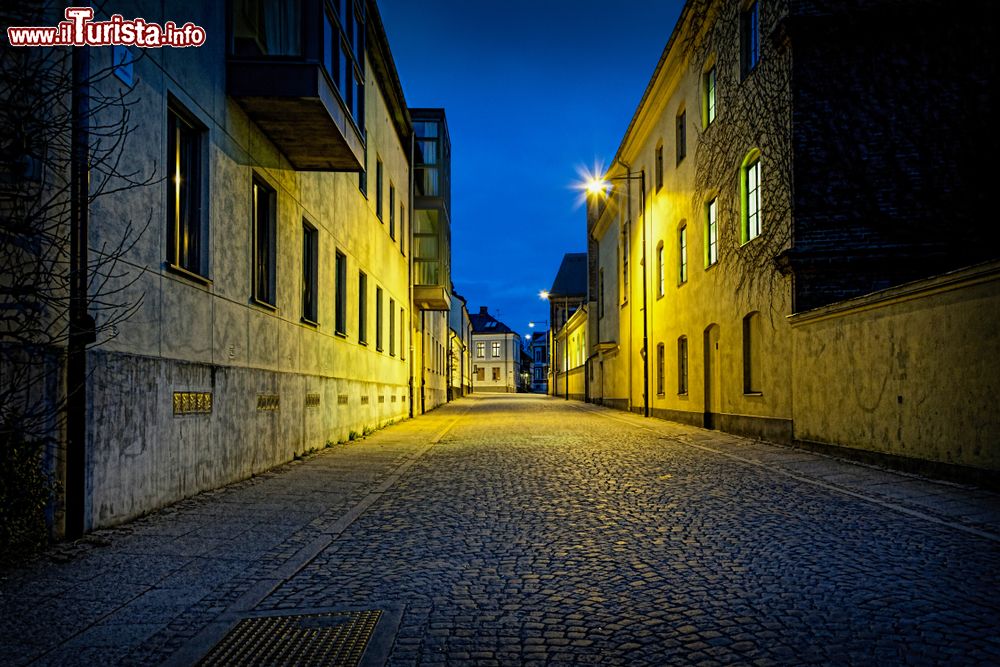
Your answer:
<point x="81" y="325"/>
<point x="409" y="270"/>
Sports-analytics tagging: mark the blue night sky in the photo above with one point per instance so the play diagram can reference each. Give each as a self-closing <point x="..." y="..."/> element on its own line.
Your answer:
<point x="533" y="92"/>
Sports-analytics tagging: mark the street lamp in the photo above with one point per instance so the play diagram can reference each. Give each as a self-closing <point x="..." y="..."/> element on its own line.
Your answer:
<point x="601" y="187"/>
<point x="555" y="370"/>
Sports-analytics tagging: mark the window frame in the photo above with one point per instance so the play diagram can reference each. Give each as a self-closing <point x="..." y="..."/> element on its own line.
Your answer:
<point x="712" y="232"/>
<point x="362" y="308"/>
<point x="680" y="134"/>
<point x="660" y="369"/>
<point x="310" y="273"/>
<point x="658" y="167"/>
<point x="749" y="38"/>
<point x="379" y="182"/>
<point x="682" y="261"/>
<point x="661" y="271"/>
<point x="495" y="349"/>
<point x="752" y="357"/>
<point x="751" y="222"/>
<point x="710" y="95"/>
<point x="378" y="318"/>
<point x="682" y="366"/>
<point x="261" y="294"/>
<point x="181" y="124"/>
<point x="340" y="294"/>
<point x="480" y="349"/>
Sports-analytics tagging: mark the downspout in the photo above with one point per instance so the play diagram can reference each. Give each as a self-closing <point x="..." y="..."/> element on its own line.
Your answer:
<point x="81" y="325"/>
<point x="409" y="269"/>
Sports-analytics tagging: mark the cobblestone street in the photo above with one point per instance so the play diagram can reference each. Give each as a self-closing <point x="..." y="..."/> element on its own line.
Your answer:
<point x="529" y="530"/>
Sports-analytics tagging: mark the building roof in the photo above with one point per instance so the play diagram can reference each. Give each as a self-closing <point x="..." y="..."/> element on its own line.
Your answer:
<point x="539" y="336"/>
<point x="484" y="323"/>
<point x="571" y="279"/>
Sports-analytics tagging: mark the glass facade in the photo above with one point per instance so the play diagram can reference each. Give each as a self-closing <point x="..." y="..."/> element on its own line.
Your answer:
<point x="430" y="220"/>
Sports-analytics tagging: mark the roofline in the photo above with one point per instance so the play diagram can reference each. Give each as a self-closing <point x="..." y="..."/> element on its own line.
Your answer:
<point x="385" y="69"/>
<point x="652" y="81"/>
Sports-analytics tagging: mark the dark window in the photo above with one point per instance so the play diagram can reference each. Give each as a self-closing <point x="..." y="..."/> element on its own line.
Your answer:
<point x="362" y="307"/>
<point x="266" y="28"/>
<point x="660" y="271"/>
<point x="378" y="188"/>
<point x="265" y="213"/>
<point x="600" y="294"/>
<point x="341" y="291"/>
<point x="659" y="167"/>
<point x="392" y="327"/>
<point x="751" y="354"/>
<point x="625" y="252"/>
<point x="186" y="232"/>
<point x="343" y="54"/>
<point x="310" y="273"/>
<point x="749" y="38"/>
<point x="402" y="333"/>
<point x="402" y="229"/>
<point x="681" y="136"/>
<point x="363" y="174"/>
<point x="392" y="211"/>
<point x="496" y="374"/>
<point x="682" y="365"/>
<point x="659" y="369"/>
<point x="378" y="319"/>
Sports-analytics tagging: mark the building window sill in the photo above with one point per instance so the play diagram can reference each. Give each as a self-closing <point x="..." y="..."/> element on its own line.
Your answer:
<point x="309" y="323"/>
<point x="264" y="305"/>
<point x="190" y="275"/>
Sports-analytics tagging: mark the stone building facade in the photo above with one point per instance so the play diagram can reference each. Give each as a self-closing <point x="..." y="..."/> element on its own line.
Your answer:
<point x="496" y="354"/>
<point x="272" y="284"/>
<point x="772" y="168"/>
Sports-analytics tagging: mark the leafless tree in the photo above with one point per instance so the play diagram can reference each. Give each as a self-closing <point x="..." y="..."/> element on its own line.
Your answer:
<point x="36" y="119"/>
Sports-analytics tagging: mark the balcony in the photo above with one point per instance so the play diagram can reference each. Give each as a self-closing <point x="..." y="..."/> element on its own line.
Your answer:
<point x="294" y="68"/>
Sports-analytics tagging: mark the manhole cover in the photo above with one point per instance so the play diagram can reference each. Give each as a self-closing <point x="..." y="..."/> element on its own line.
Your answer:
<point x="330" y="638"/>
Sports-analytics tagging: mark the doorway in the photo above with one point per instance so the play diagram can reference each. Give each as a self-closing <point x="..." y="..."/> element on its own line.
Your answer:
<point x="713" y="390"/>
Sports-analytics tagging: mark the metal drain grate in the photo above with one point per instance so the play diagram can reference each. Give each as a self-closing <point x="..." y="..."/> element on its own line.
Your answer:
<point x="331" y="638"/>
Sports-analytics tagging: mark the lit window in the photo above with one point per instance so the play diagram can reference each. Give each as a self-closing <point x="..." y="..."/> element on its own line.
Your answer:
<point x="749" y="38"/>
<point x="186" y="233"/>
<point x="310" y="261"/>
<point x="682" y="247"/>
<point x="496" y="349"/>
<point x="340" y="304"/>
<point x="682" y="365"/>
<point x="480" y="350"/>
<point x="751" y="186"/>
<point x="708" y="86"/>
<point x="264" y="223"/>
<point x="712" y="232"/>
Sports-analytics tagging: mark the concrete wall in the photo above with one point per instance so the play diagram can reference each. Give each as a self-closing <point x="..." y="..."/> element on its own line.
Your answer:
<point x="912" y="371"/>
<point x="189" y="334"/>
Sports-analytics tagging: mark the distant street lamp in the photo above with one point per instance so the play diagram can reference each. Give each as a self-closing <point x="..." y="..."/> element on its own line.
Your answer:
<point x="601" y="187"/>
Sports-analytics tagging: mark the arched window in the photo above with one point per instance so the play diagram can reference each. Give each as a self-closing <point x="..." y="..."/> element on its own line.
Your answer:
<point x="751" y="354"/>
<point x="751" y="205"/>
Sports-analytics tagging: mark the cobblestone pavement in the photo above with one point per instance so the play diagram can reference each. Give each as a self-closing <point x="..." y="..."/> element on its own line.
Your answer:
<point x="527" y="530"/>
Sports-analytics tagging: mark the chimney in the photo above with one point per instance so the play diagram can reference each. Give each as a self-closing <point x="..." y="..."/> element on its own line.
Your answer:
<point x="482" y="310"/>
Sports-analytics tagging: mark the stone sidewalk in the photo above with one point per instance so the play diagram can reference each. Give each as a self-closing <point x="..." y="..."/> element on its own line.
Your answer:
<point x="447" y="523"/>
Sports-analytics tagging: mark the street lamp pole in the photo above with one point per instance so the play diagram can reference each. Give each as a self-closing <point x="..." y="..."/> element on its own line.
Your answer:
<point x="600" y="186"/>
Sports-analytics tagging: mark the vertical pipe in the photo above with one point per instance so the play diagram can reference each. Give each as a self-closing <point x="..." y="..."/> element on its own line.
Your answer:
<point x="645" y="312"/>
<point x="79" y="331"/>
